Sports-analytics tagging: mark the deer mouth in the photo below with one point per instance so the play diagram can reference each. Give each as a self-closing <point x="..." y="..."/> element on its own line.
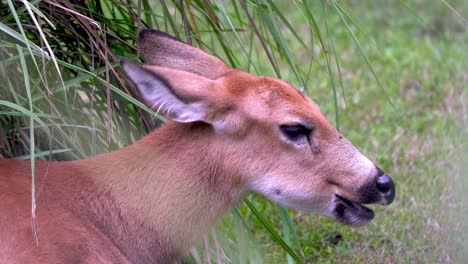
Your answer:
<point x="351" y="213"/>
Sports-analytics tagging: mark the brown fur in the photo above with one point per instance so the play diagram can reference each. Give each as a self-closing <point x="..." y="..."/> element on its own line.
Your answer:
<point x="84" y="213"/>
<point x="149" y="202"/>
<point x="175" y="54"/>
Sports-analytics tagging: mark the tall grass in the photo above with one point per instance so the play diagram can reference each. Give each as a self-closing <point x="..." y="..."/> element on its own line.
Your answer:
<point x="63" y="95"/>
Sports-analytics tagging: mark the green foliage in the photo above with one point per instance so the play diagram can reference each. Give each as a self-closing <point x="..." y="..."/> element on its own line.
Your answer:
<point x="391" y="75"/>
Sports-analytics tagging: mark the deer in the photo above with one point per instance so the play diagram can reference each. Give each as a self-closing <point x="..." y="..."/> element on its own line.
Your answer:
<point x="228" y="133"/>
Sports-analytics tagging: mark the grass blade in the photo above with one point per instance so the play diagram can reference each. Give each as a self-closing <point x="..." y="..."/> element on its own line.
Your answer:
<point x="273" y="232"/>
<point x="289" y="231"/>
<point x="362" y="52"/>
<point x="32" y="144"/>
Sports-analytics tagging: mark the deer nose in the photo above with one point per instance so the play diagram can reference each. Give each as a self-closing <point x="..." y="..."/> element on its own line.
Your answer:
<point x="386" y="187"/>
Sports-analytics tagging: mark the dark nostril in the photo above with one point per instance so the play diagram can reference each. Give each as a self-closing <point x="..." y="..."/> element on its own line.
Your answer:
<point x="386" y="186"/>
<point x="385" y="183"/>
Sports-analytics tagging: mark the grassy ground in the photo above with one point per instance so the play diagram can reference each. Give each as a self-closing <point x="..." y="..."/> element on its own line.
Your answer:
<point x="412" y="121"/>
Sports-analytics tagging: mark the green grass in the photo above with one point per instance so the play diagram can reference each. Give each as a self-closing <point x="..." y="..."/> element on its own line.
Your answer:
<point x="391" y="75"/>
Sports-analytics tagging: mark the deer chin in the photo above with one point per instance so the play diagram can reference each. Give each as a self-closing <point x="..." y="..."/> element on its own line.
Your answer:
<point x="351" y="213"/>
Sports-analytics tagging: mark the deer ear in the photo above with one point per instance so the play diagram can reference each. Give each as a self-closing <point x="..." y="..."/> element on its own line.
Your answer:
<point x="177" y="95"/>
<point x="162" y="49"/>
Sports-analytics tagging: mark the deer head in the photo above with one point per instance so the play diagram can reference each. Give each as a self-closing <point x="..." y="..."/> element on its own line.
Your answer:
<point x="275" y="140"/>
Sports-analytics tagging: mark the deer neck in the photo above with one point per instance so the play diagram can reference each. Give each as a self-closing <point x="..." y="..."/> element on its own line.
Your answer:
<point x="171" y="184"/>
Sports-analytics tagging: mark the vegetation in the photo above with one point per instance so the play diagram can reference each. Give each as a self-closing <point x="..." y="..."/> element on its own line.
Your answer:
<point x="390" y="76"/>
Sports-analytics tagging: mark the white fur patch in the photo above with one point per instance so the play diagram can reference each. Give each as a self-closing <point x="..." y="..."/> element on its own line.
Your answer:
<point x="289" y="195"/>
<point x="364" y="165"/>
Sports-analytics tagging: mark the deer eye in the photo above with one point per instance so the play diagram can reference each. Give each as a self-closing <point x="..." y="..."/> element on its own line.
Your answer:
<point x="296" y="133"/>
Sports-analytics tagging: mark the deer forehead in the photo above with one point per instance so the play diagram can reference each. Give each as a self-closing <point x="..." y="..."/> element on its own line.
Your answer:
<point x="273" y="100"/>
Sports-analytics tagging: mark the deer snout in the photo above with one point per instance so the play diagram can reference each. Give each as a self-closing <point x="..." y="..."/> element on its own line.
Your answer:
<point x="379" y="189"/>
<point x="385" y="186"/>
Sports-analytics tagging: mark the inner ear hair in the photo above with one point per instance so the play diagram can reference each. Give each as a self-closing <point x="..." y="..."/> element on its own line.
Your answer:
<point x="178" y="95"/>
